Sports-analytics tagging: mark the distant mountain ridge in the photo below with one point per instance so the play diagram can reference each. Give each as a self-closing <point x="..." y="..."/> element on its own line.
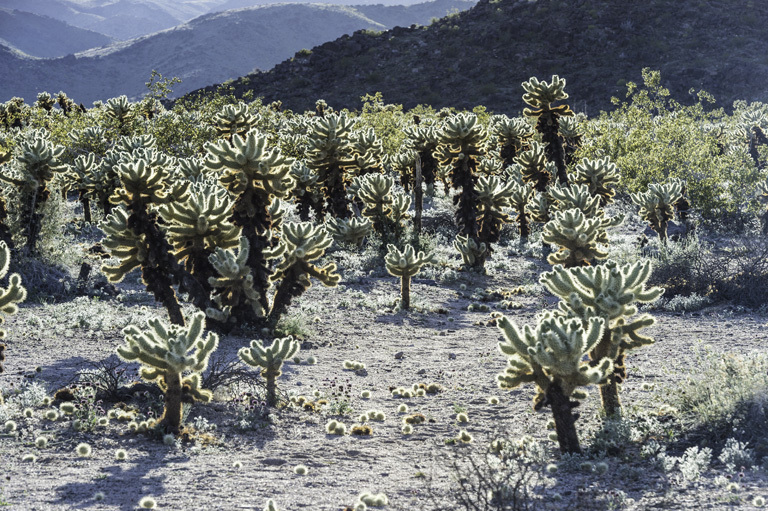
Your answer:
<point x="42" y="36"/>
<point x="210" y="48"/>
<point x="481" y="56"/>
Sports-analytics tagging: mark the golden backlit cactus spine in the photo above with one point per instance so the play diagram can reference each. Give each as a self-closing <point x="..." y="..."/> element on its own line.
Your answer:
<point x="38" y="161"/>
<point x="255" y="175"/>
<point x="540" y="95"/>
<point x="234" y="120"/>
<point x="174" y="357"/>
<point x="551" y="356"/>
<point x="405" y="264"/>
<point x="10" y="297"/>
<point x="303" y="244"/>
<point x="657" y="205"/>
<point x="270" y="360"/>
<point x="576" y="235"/>
<point x="610" y="292"/>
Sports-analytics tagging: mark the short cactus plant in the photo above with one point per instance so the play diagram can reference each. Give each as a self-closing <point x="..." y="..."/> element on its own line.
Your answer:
<point x="551" y="356"/>
<point x="352" y="230"/>
<point x="174" y="357"/>
<point x="405" y="264"/>
<point x="657" y="205"/>
<point x="234" y="120"/>
<point x="610" y="292"/>
<point x="270" y="360"/>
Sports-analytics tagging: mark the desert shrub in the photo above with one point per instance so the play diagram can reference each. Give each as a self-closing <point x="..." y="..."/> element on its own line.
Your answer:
<point x="725" y="399"/>
<point x="503" y="477"/>
<point x="651" y="138"/>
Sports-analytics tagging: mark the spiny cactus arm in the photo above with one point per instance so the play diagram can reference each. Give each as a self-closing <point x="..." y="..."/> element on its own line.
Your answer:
<point x="351" y="230"/>
<point x="600" y="176"/>
<point x="14" y="293"/>
<point x="326" y="275"/>
<point x="576" y="196"/>
<point x="192" y="385"/>
<point x="272" y="357"/>
<point x="122" y="243"/>
<point x="577" y="237"/>
<point x="630" y="335"/>
<point x="141" y="183"/>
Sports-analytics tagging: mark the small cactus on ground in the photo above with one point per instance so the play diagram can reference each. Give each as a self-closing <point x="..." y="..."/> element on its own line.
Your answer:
<point x="270" y="360"/>
<point x="610" y="292"/>
<point x="657" y="204"/>
<point x="405" y="264"/>
<point x="471" y="251"/>
<point x="551" y="356"/>
<point x="174" y="357"/>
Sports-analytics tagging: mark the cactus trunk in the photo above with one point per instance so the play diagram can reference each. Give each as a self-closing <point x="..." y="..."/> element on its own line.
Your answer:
<point x="405" y="292"/>
<point x="86" y="207"/>
<point x="565" y="419"/>
<point x="548" y="127"/>
<point x="271" y="378"/>
<point x="173" y="407"/>
<point x="609" y="395"/>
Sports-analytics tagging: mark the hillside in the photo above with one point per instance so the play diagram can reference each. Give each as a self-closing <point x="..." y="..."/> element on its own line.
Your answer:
<point x="41" y="36"/>
<point x="482" y="55"/>
<point x="211" y="48"/>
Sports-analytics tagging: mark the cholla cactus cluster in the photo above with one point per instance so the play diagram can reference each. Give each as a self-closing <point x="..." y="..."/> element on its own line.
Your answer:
<point x="405" y="264"/>
<point x="657" y="204"/>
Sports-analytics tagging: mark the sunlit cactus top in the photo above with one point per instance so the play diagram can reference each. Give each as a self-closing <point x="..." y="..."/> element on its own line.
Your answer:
<point x="234" y="120"/>
<point x="540" y="95"/>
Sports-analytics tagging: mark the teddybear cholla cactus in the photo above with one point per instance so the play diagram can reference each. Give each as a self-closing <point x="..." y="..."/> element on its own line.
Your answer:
<point x="384" y="208"/>
<point x="270" y="360"/>
<point x="255" y="176"/>
<point x="657" y="204"/>
<point x="303" y="243"/>
<point x="329" y="149"/>
<point x="38" y="163"/>
<point x="168" y="352"/>
<point x="552" y="356"/>
<point x="610" y="292"/>
<point x="405" y="264"/>
<point x="9" y="297"/>
<point x="352" y="230"/>
<point x="540" y="95"/>
<point x="577" y="237"/>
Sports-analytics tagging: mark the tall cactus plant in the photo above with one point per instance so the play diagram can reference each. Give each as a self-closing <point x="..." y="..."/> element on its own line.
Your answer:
<point x="329" y="151"/>
<point x="540" y="95"/>
<point x="255" y="175"/>
<point x="37" y="163"/>
<point x="610" y="292"/>
<point x="551" y="356"/>
<point x="174" y="357"/>
<point x="270" y="360"/>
